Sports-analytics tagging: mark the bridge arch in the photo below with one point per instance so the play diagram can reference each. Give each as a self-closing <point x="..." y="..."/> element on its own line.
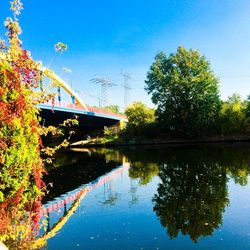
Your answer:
<point x="61" y="83"/>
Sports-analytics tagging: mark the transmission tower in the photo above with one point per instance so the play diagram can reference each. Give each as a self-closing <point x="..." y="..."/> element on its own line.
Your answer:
<point x="126" y="87"/>
<point x="105" y="84"/>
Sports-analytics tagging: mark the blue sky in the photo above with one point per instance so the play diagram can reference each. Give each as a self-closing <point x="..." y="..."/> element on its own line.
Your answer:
<point x="105" y="37"/>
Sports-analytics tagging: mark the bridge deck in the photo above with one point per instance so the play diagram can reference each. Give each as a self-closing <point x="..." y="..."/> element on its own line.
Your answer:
<point x="77" y="109"/>
<point x="90" y="118"/>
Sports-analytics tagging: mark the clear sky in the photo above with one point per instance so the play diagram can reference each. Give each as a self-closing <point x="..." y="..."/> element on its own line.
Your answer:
<point x="105" y="37"/>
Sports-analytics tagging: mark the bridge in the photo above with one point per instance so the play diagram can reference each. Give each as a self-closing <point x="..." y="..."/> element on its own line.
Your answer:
<point x="89" y="118"/>
<point x="55" y="112"/>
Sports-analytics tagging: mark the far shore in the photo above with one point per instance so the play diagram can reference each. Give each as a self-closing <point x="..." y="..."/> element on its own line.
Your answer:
<point x="137" y="142"/>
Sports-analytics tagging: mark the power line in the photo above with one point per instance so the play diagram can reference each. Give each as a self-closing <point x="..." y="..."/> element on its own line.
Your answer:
<point x="105" y="84"/>
<point x="97" y="98"/>
<point x="126" y="87"/>
<point x="84" y="93"/>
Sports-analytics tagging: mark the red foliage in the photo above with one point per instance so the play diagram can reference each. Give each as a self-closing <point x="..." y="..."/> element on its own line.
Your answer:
<point x="17" y="78"/>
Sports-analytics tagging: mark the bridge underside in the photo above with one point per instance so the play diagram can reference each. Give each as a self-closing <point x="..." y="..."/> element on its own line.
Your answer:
<point x="86" y="122"/>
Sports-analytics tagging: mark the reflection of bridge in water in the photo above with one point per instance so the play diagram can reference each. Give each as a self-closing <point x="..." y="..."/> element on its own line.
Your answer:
<point x="74" y="197"/>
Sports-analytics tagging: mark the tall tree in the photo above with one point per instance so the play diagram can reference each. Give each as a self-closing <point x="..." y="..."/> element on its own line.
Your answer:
<point x="186" y="92"/>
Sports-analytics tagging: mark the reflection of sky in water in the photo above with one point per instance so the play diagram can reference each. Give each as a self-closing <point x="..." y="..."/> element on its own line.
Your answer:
<point x="237" y="216"/>
<point x="119" y="215"/>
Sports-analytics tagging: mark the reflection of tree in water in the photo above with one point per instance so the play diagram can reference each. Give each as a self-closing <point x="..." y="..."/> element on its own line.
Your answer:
<point x="110" y="154"/>
<point x="144" y="171"/>
<point x="191" y="198"/>
<point x="193" y="193"/>
<point x="237" y="165"/>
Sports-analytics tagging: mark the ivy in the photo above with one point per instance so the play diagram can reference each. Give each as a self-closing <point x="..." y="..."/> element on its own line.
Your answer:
<point x="21" y="166"/>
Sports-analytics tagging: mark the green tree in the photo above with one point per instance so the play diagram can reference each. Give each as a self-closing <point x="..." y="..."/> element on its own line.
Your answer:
<point x="139" y="114"/>
<point x="141" y="121"/>
<point x="232" y="115"/>
<point x="186" y="92"/>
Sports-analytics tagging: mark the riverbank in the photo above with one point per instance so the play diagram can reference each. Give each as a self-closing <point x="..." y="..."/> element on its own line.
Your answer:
<point x="101" y="142"/>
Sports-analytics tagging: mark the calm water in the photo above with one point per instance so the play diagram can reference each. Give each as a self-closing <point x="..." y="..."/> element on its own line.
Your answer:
<point x="185" y="197"/>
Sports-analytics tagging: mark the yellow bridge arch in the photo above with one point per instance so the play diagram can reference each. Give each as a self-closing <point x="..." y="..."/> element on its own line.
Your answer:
<point x="61" y="83"/>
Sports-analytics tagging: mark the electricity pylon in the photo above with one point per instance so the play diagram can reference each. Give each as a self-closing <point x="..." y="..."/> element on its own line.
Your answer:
<point x="105" y="84"/>
<point x="126" y="87"/>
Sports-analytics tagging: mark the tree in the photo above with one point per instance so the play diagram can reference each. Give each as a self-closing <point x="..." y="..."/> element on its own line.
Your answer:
<point x="186" y="92"/>
<point x="139" y="114"/>
<point x="232" y="115"/>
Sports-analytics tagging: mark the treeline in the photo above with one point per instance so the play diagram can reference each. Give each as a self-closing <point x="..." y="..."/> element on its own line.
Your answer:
<point x="185" y="92"/>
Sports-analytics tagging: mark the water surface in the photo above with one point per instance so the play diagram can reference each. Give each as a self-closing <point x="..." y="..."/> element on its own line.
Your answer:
<point x="178" y="197"/>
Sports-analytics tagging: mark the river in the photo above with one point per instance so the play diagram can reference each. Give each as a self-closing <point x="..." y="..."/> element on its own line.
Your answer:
<point x="151" y="197"/>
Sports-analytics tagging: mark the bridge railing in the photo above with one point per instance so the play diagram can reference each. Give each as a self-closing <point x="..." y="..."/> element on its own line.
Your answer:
<point x="89" y="108"/>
